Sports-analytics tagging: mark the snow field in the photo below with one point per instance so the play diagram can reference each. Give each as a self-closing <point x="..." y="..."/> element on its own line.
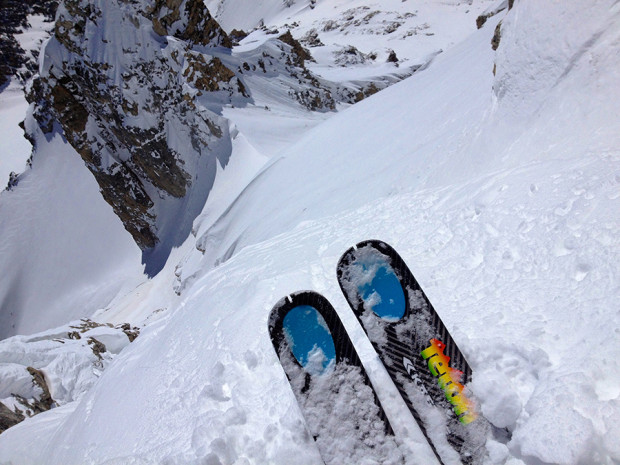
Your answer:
<point x="63" y="244"/>
<point x="413" y="29"/>
<point x="377" y="155"/>
<point x="500" y="193"/>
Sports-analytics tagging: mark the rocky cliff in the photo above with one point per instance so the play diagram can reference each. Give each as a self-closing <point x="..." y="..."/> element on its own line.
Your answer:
<point x="137" y="88"/>
<point x="126" y="83"/>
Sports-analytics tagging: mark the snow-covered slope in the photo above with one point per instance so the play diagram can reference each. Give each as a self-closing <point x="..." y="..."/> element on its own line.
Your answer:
<point x="53" y="269"/>
<point x="141" y="158"/>
<point x="496" y="175"/>
<point x="14" y="148"/>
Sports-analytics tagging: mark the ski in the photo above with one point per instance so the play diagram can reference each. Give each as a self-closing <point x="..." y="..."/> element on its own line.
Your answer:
<point x="338" y="401"/>
<point x="416" y="349"/>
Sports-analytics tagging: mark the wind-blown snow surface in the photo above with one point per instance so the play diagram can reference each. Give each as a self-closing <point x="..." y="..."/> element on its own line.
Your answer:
<point x="501" y="193"/>
<point x="51" y="273"/>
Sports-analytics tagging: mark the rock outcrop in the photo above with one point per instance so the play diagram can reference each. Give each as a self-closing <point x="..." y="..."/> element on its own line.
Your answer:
<point x="55" y="367"/>
<point x="14" y="61"/>
<point x="125" y="81"/>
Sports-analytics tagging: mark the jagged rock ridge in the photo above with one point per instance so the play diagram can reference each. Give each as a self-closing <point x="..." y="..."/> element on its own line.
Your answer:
<point x="137" y="88"/>
<point x="122" y="78"/>
<point x="14" y="61"/>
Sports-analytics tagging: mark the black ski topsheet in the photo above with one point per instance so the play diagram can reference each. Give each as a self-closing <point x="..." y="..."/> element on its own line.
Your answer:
<point x="339" y="404"/>
<point x="417" y="350"/>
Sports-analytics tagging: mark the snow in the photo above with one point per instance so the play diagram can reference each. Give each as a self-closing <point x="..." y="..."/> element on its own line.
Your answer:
<point x="364" y="145"/>
<point x="66" y="355"/>
<point x="274" y="120"/>
<point x="31" y="38"/>
<point x="411" y="28"/>
<point x="499" y="191"/>
<point x="340" y="411"/>
<point x="53" y="277"/>
<point x="14" y="148"/>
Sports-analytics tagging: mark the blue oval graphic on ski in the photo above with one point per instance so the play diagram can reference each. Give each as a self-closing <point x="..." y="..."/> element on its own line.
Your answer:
<point x="384" y="293"/>
<point x="309" y="339"/>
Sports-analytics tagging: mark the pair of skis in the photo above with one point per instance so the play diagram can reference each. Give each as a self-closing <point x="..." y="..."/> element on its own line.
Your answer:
<point x="339" y="403"/>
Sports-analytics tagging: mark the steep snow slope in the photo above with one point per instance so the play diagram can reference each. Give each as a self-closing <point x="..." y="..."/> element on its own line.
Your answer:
<point x="50" y="272"/>
<point x="268" y="124"/>
<point x="504" y="204"/>
<point x="388" y="144"/>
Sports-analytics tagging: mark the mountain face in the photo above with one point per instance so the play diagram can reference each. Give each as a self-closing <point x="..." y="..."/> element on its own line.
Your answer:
<point x="120" y="80"/>
<point x="138" y="96"/>
<point x="137" y="89"/>
<point x="14" y="60"/>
